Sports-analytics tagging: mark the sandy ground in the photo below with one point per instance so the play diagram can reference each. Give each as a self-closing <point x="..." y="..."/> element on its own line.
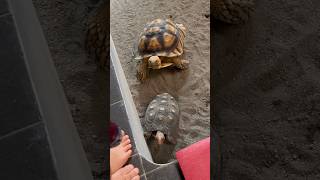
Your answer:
<point x="267" y="92"/>
<point x="64" y="25"/>
<point x="191" y="87"/>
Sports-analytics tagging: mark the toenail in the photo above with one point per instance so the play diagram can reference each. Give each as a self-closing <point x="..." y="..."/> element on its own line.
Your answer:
<point x="137" y="170"/>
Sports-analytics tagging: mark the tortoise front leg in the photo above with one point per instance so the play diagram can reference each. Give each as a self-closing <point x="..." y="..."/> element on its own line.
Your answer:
<point x="142" y="71"/>
<point x="181" y="63"/>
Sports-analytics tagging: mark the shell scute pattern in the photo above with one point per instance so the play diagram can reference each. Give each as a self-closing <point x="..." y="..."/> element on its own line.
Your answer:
<point x="160" y="45"/>
<point x="159" y="37"/>
<point x="162" y="115"/>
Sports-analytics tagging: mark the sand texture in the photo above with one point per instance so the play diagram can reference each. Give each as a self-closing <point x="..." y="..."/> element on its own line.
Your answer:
<point x="64" y="25"/>
<point x="190" y="87"/>
<point x="267" y="92"/>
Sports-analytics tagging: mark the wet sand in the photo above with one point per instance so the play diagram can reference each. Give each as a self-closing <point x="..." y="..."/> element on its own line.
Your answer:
<point x="267" y="92"/>
<point x="190" y="87"/>
<point x="64" y="25"/>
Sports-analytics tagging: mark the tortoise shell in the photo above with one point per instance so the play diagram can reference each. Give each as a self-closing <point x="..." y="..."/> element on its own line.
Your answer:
<point x="161" y="38"/>
<point x="162" y="115"/>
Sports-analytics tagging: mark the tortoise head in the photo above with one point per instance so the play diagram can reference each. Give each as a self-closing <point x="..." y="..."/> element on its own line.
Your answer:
<point x="154" y="62"/>
<point x="159" y="136"/>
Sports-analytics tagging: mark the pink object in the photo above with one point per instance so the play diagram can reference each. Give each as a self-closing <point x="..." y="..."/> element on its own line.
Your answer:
<point x="194" y="160"/>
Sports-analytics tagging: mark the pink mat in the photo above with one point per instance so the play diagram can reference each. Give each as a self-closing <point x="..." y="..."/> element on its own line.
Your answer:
<point x="194" y="160"/>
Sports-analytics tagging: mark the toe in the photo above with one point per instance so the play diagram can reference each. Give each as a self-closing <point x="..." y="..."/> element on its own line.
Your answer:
<point x="124" y="138"/>
<point x="136" y="178"/>
<point x="122" y="133"/>
<point x="125" y="143"/>
<point x="127" y="169"/>
<point x="127" y="147"/>
<point x="128" y="153"/>
<point x="134" y="172"/>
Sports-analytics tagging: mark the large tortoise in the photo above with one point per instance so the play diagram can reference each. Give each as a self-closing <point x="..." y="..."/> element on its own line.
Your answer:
<point x="161" y="45"/>
<point x="162" y="119"/>
<point x="97" y="42"/>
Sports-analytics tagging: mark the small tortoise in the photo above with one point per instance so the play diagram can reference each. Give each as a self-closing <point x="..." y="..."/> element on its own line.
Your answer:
<point x="162" y="119"/>
<point x="160" y="45"/>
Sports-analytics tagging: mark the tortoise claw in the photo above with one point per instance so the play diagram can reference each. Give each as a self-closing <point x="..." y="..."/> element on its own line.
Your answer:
<point x="141" y="75"/>
<point x="184" y="64"/>
<point x="142" y="72"/>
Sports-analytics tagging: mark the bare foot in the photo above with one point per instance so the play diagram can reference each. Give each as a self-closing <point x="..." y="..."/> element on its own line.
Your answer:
<point x="126" y="173"/>
<point x="120" y="154"/>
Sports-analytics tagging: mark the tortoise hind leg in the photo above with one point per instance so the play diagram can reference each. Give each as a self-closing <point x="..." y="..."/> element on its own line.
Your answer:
<point x="232" y="11"/>
<point x="142" y="71"/>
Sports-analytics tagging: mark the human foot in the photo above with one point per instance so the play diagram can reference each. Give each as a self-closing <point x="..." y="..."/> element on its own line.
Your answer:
<point x="120" y="154"/>
<point x="126" y="173"/>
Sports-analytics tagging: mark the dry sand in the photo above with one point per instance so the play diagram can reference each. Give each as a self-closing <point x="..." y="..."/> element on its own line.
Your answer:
<point x="267" y="92"/>
<point x="190" y="87"/>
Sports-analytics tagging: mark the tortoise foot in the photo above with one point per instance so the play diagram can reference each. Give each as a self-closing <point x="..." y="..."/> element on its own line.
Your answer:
<point x="183" y="65"/>
<point x="142" y="75"/>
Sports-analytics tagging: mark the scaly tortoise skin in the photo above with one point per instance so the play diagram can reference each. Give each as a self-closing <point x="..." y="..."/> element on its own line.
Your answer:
<point x="162" y="116"/>
<point x="160" y="45"/>
<point x="97" y="41"/>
